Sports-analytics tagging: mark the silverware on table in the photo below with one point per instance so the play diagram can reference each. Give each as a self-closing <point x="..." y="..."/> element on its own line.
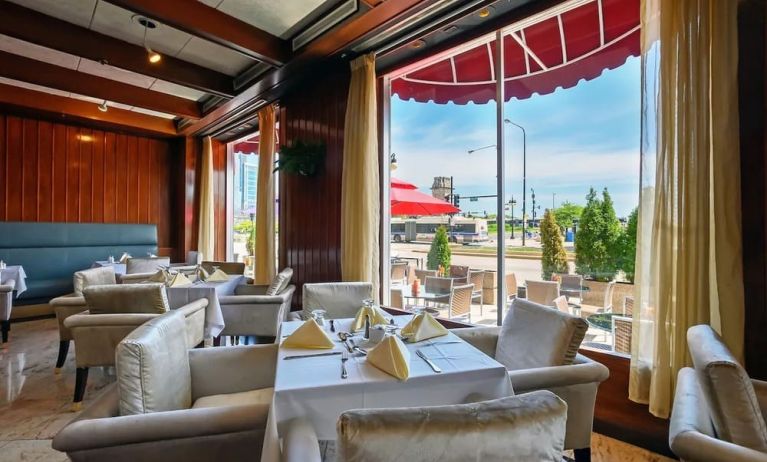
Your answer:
<point x="428" y="361"/>
<point x="332" y="353"/>
<point x="344" y="358"/>
<point x="444" y="343"/>
<point x="344" y="336"/>
<point x="357" y="348"/>
<point x="332" y="326"/>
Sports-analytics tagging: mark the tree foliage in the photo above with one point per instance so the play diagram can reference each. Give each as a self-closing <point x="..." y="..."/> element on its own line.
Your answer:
<point x="597" y="240"/>
<point x="439" y="253"/>
<point x="553" y="256"/>
<point x="628" y="246"/>
<point x="566" y="213"/>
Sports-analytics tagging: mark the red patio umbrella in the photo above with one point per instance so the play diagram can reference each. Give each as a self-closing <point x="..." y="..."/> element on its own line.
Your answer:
<point x="406" y="200"/>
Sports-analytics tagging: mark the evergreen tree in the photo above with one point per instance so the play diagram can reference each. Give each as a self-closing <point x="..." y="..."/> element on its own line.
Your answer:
<point x="598" y="238"/>
<point x="612" y="237"/>
<point x="566" y="213"/>
<point x="628" y="246"/>
<point x="553" y="256"/>
<point x="439" y="253"/>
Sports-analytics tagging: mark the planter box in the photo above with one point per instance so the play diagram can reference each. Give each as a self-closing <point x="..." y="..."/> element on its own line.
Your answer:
<point x="596" y="295"/>
<point x="489" y="286"/>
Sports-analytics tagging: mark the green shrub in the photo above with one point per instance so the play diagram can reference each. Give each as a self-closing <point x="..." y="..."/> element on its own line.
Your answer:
<point x="553" y="256"/>
<point x="439" y="253"/>
<point x="597" y="246"/>
<point x="628" y="246"/>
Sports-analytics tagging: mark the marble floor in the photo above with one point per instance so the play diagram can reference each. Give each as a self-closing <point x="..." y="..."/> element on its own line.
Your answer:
<point x="35" y="403"/>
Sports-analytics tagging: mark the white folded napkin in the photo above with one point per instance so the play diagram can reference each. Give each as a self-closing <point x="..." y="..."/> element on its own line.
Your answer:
<point x="308" y="335"/>
<point x="391" y="356"/>
<point x="377" y="316"/>
<point x="179" y="280"/>
<point x="217" y="276"/>
<point x="422" y="327"/>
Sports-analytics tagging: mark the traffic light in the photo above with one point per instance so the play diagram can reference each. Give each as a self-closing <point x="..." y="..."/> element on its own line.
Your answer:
<point x="457" y="200"/>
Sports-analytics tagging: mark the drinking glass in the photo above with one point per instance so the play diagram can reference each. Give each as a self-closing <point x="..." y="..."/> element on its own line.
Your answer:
<point x="319" y="316"/>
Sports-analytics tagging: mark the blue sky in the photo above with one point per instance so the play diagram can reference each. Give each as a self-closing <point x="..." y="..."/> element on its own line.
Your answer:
<point x="584" y="136"/>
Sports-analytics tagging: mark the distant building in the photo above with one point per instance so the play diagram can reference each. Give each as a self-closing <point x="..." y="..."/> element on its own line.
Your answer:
<point x="246" y="181"/>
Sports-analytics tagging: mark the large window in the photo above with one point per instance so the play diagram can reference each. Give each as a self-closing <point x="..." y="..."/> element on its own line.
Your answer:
<point x="544" y="189"/>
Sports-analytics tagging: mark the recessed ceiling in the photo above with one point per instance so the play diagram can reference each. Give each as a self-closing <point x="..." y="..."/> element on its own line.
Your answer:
<point x="277" y="17"/>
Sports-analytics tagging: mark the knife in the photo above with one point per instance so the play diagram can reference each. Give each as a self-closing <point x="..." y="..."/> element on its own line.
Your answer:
<point x="332" y="353"/>
<point x="428" y="361"/>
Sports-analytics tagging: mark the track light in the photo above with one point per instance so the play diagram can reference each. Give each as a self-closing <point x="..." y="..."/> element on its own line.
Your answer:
<point x="153" y="56"/>
<point x="103" y="106"/>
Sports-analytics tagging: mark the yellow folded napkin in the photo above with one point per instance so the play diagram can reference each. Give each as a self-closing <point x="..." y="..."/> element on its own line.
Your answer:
<point x="377" y="316"/>
<point x="422" y="327"/>
<point x="202" y="274"/>
<point x="217" y="276"/>
<point x="392" y="357"/>
<point x="124" y="258"/>
<point x="179" y="280"/>
<point x="309" y="335"/>
<point x="160" y="276"/>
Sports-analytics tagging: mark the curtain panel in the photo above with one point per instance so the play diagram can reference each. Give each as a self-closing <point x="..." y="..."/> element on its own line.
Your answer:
<point x="206" y="240"/>
<point x="689" y="248"/>
<point x="264" y="261"/>
<point x="360" y="202"/>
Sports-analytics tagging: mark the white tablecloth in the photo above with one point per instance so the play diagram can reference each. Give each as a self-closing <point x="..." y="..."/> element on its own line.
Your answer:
<point x="312" y="388"/>
<point x="214" y="319"/>
<point x="17" y="274"/>
<point x="118" y="267"/>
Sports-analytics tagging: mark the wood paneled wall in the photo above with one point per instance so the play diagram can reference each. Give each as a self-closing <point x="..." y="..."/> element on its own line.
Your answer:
<point x="65" y="173"/>
<point x="310" y="208"/>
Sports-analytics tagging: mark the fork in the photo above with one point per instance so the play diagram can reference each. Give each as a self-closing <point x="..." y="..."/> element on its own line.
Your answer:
<point x="344" y="358"/>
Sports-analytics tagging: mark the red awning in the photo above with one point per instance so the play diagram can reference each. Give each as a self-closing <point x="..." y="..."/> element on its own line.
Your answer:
<point x="406" y="200"/>
<point x="559" y="47"/>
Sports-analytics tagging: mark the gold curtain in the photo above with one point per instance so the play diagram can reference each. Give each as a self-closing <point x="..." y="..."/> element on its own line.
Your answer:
<point x="206" y="239"/>
<point x="264" y="264"/>
<point x="689" y="248"/>
<point x="360" y="203"/>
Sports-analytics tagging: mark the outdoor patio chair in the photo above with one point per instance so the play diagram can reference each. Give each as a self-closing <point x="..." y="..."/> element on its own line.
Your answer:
<point x="437" y="285"/>
<point x="477" y="280"/>
<point x="460" y="301"/>
<point x="621" y="330"/>
<point x="399" y="273"/>
<point x="511" y="286"/>
<point x="561" y="304"/>
<point x="542" y="292"/>
<point x="422" y="274"/>
<point x="607" y="304"/>
<point x="570" y="285"/>
<point x="460" y="273"/>
<point x="628" y="305"/>
<point x="395" y="298"/>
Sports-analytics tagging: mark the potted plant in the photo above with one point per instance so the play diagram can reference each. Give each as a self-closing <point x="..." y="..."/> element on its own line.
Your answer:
<point x="301" y="158"/>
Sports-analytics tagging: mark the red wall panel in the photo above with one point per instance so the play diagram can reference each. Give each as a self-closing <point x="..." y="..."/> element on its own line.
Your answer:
<point x="65" y="173"/>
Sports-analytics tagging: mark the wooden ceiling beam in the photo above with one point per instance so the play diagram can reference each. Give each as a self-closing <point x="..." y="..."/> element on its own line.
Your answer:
<point x="76" y="109"/>
<point x="31" y="26"/>
<point x="39" y="73"/>
<point x="206" y="22"/>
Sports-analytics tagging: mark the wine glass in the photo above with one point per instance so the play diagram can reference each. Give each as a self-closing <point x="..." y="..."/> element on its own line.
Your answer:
<point x="318" y="315"/>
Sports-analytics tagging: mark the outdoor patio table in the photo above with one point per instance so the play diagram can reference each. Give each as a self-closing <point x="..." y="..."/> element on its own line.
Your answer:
<point x="407" y="292"/>
<point x="603" y="321"/>
<point x="14" y="273"/>
<point x="118" y="267"/>
<point x="312" y="388"/>
<point x="214" y="318"/>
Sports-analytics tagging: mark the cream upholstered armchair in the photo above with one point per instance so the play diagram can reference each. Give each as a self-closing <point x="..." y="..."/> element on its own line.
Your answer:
<point x="339" y="299"/>
<point x="174" y="404"/>
<point x="74" y="303"/>
<point x="228" y="267"/>
<point x="719" y="412"/>
<point x="517" y="428"/>
<point x="6" y="305"/>
<point x="256" y="310"/>
<point x="114" y="311"/>
<point x="554" y="365"/>
<point x="141" y="269"/>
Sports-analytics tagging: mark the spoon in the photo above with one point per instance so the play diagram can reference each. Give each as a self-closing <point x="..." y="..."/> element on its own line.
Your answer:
<point x="344" y="336"/>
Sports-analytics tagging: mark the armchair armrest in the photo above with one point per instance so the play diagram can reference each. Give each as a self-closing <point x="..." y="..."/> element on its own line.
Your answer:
<point x="217" y="371"/>
<point x="299" y="443"/>
<point x="100" y="426"/>
<point x="251" y="300"/>
<point x="760" y="388"/>
<point x="193" y="307"/>
<point x="134" y="277"/>
<point x="8" y="286"/>
<point x="582" y="371"/>
<point x="485" y="339"/>
<point x="251" y="289"/>
<point x="85" y="319"/>
<point x="68" y="300"/>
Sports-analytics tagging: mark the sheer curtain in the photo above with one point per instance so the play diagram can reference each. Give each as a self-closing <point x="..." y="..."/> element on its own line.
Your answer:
<point x="360" y="202"/>
<point x="206" y="243"/>
<point x="689" y="245"/>
<point x="264" y="265"/>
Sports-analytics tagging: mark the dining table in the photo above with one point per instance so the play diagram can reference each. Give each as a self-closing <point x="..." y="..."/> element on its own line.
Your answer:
<point x="16" y="274"/>
<point x="312" y="387"/>
<point x="120" y="268"/>
<point x="214" y="318"/>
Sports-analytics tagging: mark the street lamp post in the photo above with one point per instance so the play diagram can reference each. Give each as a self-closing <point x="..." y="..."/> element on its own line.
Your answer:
<point x="524" y="176"/>
<point x="512" y="202"/>
<point x="553" y="201"/>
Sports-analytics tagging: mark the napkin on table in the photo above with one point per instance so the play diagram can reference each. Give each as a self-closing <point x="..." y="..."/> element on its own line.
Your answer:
<point x="160" y="276"/>
<point x="392" y="357"/>
<point x="377" y="316"/>
<point x="422" y="327"/>
<point x="309" y="335"/>
<point x="217" y="276"/>
<point x="202" y="275"/>
<point x="179" y="280"/>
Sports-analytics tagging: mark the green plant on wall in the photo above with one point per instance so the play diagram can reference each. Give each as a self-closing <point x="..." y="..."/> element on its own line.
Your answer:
<point x="301" y="158"/>
<point x="553" y="256"/>
<point x="439" y="253"/>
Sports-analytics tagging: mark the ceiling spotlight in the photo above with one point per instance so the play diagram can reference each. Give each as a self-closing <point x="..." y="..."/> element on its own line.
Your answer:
<point x="484" y="12"/>
<point x="153" y="56"/>
<point x="103" y="106"/>
<point x="418" y="43"/>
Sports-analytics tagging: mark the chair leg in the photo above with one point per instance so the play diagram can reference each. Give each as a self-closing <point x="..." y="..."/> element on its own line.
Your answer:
<point x="80" y="381"/>
<point x="217" y="341"/>
<point x="63" y="350"/>
<point x="582" y="455"/>
<point x="5" y="326"/>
